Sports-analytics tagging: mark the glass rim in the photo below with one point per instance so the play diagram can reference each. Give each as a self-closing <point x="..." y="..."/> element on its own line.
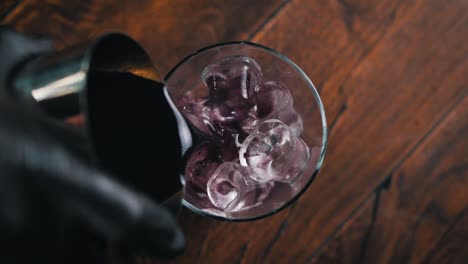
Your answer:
<point x="322" y="115"/>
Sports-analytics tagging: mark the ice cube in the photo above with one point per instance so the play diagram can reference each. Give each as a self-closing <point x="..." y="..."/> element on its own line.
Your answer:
<point x="230" y="188"/>
<point x="301" y="158"/>
<point x="274" y="101"/>
<point x="273" y="152"/>
<point x="232" y="83"/>
<point x="201" y="164"/>
<point x="252" y="198"/>
<point x="198" y="113"/>
<point x="273" y="97"/>
<point x="291" y="118"/>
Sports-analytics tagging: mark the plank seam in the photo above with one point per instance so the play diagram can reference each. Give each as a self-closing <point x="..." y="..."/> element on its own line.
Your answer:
<point x="449" y="229"/>
<point x="338" y="229"/>
<point x="375" y="209"/>
<point x="270" y="18"/>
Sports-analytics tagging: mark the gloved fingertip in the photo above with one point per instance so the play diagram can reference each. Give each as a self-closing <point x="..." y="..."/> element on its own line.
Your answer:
<point x="155" y="233"/>
<point x="178" y="243"/>
<point x="165" y="243"/>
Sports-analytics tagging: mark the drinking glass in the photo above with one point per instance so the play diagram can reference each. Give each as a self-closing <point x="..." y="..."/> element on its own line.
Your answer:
<point x="189" y="79"/>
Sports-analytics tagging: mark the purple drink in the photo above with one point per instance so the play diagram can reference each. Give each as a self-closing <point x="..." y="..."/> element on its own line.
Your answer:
<point x="254" y="134"/>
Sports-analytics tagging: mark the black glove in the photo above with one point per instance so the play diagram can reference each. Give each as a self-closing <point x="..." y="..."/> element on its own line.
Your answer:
<point x="47" y="185"/>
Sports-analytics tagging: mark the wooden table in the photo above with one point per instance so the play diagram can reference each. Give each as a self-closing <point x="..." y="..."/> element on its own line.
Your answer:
<point x="393" y="76"/>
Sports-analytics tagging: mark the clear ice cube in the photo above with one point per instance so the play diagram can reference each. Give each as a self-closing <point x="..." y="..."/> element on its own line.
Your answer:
<point x="197" y="111"/>
<point x="232" y="84"/>
<point x="273" y="152"/>
<point x="274" y="101"/>
<point x="230" y="188"/>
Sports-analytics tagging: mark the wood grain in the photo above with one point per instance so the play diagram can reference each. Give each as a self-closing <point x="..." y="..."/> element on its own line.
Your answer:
<point x="389" y="73"/>
<point x="6" y="6"/>
<point x="169" y="30"/>
<point x="453" y="247"/>
<point x="345" y="247"/>
<point x="384" y="89"/>
<point x="414" y="217"/>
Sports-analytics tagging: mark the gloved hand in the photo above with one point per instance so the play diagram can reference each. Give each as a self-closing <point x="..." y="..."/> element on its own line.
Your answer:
<point x="47" y="183"/>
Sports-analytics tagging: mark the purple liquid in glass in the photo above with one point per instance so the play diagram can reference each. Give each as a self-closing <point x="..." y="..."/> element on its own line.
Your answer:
<point x="252" y="133"/>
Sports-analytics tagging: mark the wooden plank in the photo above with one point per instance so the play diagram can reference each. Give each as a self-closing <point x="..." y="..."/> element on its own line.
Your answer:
<point x="169" y="30"/>
<point x="427" y="196"/>
<point x="394" y="88"/>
